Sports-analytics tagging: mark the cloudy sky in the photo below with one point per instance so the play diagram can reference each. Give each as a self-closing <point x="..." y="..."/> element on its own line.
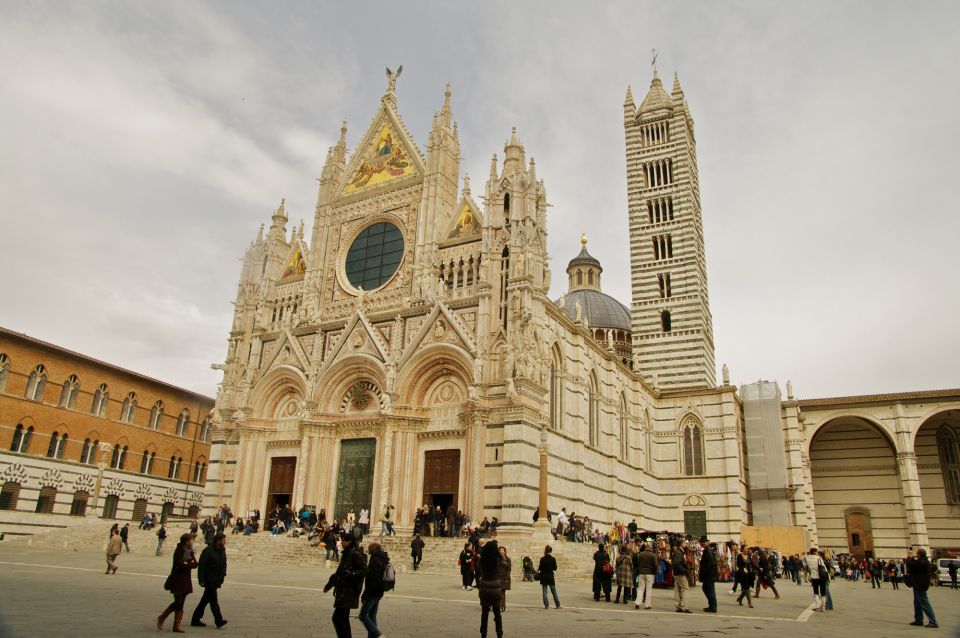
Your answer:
<point x="141" y="145"/>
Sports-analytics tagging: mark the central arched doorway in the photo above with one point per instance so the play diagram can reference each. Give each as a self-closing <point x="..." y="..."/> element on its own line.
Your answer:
<point x="856" y="489"/>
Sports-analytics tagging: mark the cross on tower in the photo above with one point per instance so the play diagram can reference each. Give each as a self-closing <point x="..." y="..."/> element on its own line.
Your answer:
<point x="653" y="61"/>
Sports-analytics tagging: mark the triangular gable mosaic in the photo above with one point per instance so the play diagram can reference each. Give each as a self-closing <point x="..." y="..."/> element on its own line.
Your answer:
<point x="296" y="265"/>
<point x="385" y="158"/>
<point x="466" y="223"/>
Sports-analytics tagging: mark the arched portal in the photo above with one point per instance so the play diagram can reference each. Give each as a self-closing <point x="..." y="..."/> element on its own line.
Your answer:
<point x="856" y="489"/>
<point x="937" y="446"/>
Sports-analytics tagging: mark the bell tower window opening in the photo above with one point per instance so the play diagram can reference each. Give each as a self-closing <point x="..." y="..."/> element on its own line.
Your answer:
<point x="506" y="203"/>
<point x="504" y="278"/>
<point x="665" y="321"/>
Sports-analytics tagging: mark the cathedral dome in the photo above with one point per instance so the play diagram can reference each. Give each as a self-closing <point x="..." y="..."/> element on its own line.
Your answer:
<point x="599" y="309"/>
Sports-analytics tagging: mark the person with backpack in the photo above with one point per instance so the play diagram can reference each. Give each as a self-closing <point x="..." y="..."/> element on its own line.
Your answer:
<point x="602" y="573"/>
<point x="381" y="578"/>
<point x="416" y="551"/>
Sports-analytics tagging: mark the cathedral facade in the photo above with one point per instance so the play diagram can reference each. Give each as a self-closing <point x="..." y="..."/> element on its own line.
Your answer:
<point x="408" y="352"/>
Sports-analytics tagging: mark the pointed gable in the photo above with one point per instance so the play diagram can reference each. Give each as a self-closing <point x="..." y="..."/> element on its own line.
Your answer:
<point x="466" y="223"/>
<point x="387" y="155"/>
<point x="358" y="337"/>
<point x="296" y="264"/>
<point x="441" y="326"/>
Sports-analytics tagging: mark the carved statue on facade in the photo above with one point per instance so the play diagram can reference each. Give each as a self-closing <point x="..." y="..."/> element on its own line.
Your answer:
<point x="577" y="312"/>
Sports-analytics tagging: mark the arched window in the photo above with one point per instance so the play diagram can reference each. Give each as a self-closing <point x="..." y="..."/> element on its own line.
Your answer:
<point x="46" y="500"/>
<point x="21" y="439"/>
<point x="4" y="371"/>
<point x="119" y="457"/>
<point x="504" y="278"/>
<point x="58" y="443"/>
<point x="579" y="277"/>
<point x="693" y="463"/>
<point x="144" y="462"/>
<point x="205" y="430"/>
<point x="948" y="442"/>
<point x="196" y="472"/>
<point x="506" y="202"/>
<point x="665" y="321"/>
<point x="174" y="470"/>
<point x="9" y="495"/>
<point x="110" y="506"/>
<point x="68" y="395"/>
<point x="593" y="414"/>
<point x="183" y="423"/>
<point x="78" y="507"/>
<point x="556" y="390"/>
<point x="35" y="384"/>
<point x="100" y="398"/>
<point x="89" y="452"/>
<point x="129" y="408"/>
<point x="624" y="429"/>
<point x="156" y="415"/>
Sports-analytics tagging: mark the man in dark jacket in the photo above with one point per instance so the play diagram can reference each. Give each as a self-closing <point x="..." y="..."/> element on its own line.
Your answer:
<point x="211" y="572"/>
<point x="708" y="575"/>
<point x="681" y="579"/>
<point x="647" y="566"/>
<point x="373" y="589"/>
<point x="347" y="582"/>
<point x="919" y="570"/>
<point x="416" y="551"/>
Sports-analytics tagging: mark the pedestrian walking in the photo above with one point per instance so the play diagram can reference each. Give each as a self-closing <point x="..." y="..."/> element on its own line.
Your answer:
<point x="161" y="536"/>
<point x="625" y="573"/>
<point x="744" y="576"/>
<point x="211" y="572"/>
<point x="488" y="587"/>
<point x="818" y="578"/>
<point x="125" y="536"/>
<point x="952" y="571"/>
<point x="548" y="577"/>
<point x="466" y="560"/>
<point x="647" y="566"/>
<point x="179" y="583"/>
<point x="919" y="571"/>
<point x="113" y="550"/>
<point x="347" y="583"/>
<point x="374" y="587"/>
<point x="708" y="575"/>
<point x="364" y="520"/>
<point x="602" y="573"/>
<point x="681" y="563"/>
<point x="505" y="566"/>
<point x="416" y="551"/>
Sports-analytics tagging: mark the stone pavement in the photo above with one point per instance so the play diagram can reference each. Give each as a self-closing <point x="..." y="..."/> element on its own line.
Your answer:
<point x="56" y="592"/>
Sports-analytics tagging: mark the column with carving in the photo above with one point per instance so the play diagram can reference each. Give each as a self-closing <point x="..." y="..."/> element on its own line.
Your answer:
<point x="476" y="441"/>
<point x="910" y="482"/>
<point x="386" y="465"/>
<point x="811" y="507"/>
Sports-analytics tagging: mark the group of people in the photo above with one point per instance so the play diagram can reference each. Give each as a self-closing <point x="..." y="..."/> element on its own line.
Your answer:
<point x="211" y="572"/>
<point x="451" y="522"/>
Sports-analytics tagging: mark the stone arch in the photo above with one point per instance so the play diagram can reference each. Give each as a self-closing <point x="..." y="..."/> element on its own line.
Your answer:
<point x="853" y="464"/>
<point x="278" y="392"/>
<point x="422" y="374"/>
<point x="871" y="419"/>
<point x="556" y="393"/>
<point x="357" y="368"/>
<point x="933" y="413"/>
<point x="936" y="445"/>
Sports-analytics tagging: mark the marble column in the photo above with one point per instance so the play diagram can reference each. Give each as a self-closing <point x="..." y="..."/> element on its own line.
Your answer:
<point x="912" y="501"/>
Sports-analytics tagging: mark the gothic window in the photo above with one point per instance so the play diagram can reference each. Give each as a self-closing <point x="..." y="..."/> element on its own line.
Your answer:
<point x="21" y="439"/>
<point x="556" y="390"/>
<point x="35" y="384"/>
<point x="156" y="415"/>
<point x="504" y="277"/>
<point x="506" y="202"/>
<point x="89" y="452"/>
<point x="183" y="423"/>
<point x="174" y="469"/>
<point x="46" y="500"/>
<point x="68" y="395"/>
<point x="110" y="506"/>
<point x="205" y="430"/>
<point x="78" y="507"/>
<point x="693" y="464"/>
<point x="100" y="399"/>
<point x="948" y="442"/>
<point x="129" y="408"/>
<point x="58" y="444"/>
<point x="198" y="471"/>
<point x="119" y="457"/>
<point x="593" y="415"/>
<point x="4" y="371"/>
<point x="665" y="321"/>
<point x="624" y="429"/>
<point x="9" y="495"/>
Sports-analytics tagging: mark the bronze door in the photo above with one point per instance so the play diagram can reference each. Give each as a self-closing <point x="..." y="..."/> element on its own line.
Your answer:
<point x="695" y="523"/>
<point x="280" y="487"/>
<point x="441" y="478"/>
<point x="355" y="476"/>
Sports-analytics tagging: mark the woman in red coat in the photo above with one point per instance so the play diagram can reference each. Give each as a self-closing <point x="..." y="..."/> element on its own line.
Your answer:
<point x="179" y="582"/>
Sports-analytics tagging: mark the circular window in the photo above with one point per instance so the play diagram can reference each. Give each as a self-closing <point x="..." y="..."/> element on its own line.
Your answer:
<point x="374" y="256"/>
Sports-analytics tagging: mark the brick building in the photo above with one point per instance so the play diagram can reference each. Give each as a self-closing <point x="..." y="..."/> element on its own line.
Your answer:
<point x="84" y="438"/>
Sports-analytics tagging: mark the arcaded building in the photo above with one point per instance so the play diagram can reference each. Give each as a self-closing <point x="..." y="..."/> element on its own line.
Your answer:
<point x="86" y="439"/>
<point x="409" y="351"/>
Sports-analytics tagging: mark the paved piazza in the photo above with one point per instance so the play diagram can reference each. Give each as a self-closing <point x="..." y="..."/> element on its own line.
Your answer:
<point x="48" y="592"/>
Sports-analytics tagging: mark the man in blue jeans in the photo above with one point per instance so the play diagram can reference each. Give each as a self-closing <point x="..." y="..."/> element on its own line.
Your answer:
<point x="919" y="570"/>
<point x="373" y="589"/>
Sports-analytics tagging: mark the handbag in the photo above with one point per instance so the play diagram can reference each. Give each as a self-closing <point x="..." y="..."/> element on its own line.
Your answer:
<point x="536" y="575"/>
<point x="168" y="583"/>
<point x="822" y="572"/>
<point x="607" y="568"/>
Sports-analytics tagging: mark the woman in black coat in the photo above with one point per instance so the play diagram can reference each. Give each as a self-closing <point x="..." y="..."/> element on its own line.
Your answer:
<point x="467" y="557"/>
<point x="488" y="586"/>
<point x="547" y="571"/>
<point x="744" y="576"/>
<point x="602" y="581"/>
<point x="179" y="582"/>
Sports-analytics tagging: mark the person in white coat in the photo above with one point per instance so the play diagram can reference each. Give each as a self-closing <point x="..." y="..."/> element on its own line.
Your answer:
<point x="818" y="570"/>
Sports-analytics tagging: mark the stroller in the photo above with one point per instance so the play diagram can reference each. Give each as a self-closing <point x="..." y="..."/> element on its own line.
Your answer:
<point x="528" y="570"/>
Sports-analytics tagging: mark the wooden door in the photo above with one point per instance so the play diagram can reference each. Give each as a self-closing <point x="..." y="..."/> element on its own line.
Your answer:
<point x="139" y="509"/>
<point x="441" y="476"/>
<point x="355" y="476"/>
<point x="859" y="534"/>
<point x="282" y="469"/>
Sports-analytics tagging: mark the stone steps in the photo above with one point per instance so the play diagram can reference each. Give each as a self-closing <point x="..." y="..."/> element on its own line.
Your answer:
<point x="575" y="561"/>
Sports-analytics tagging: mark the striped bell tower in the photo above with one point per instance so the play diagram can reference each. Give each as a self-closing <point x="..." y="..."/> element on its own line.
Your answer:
<point x="672" y="325"/>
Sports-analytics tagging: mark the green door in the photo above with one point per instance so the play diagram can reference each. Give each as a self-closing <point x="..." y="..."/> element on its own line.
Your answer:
<point x="355" y="476"/>
<point x="695" y="523"/>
